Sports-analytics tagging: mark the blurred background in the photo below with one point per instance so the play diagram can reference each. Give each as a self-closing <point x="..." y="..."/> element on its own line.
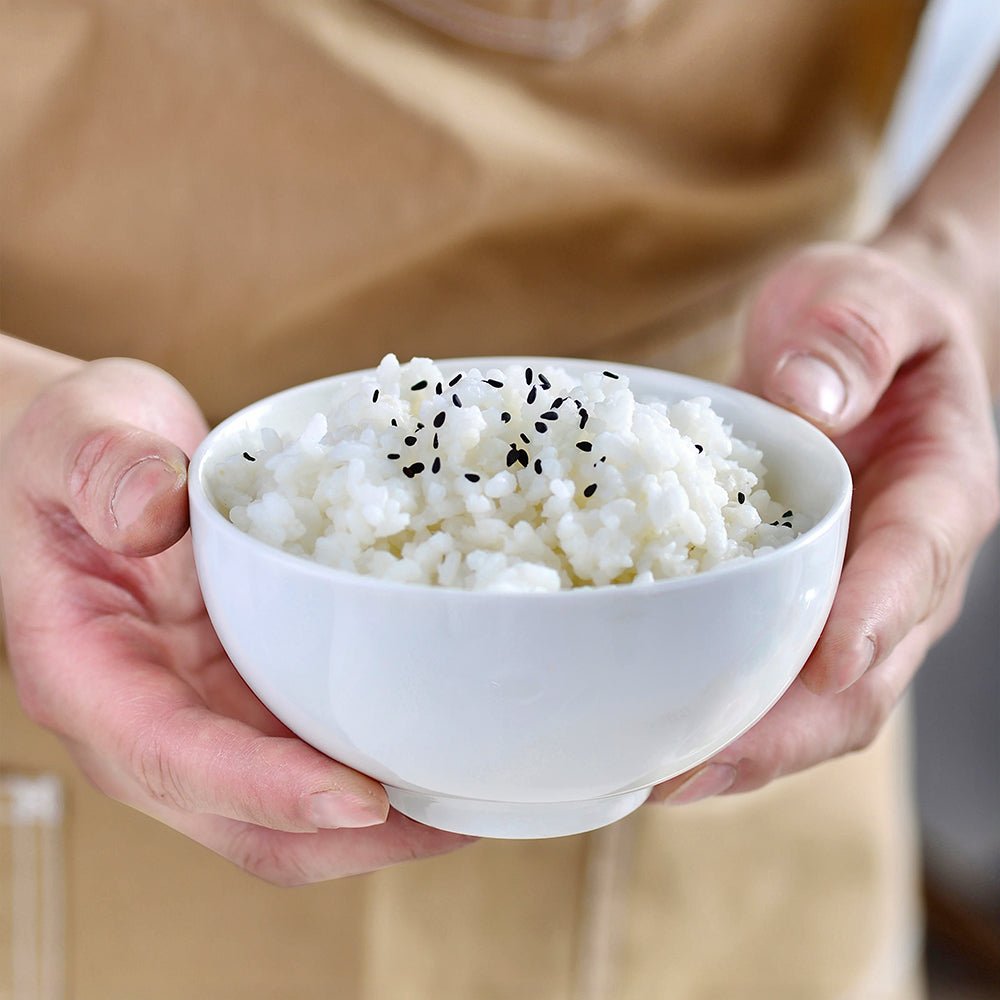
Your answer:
<point x="957" y="693"/>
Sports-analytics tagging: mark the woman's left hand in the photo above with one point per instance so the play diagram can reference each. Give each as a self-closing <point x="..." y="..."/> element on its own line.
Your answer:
<point x="884" y="357"/>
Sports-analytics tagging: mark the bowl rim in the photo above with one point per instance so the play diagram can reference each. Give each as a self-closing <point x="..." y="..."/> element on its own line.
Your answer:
<point x="690" y="385"/>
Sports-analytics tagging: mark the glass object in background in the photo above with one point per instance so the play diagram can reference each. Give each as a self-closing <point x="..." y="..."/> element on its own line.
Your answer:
<point x="32" y="888"/>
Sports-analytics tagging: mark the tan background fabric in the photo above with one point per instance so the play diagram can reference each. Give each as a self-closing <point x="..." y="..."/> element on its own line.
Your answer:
<point x="805" y="891"/>
<point x="259" y="193"/>
<point x="255" y="194"/>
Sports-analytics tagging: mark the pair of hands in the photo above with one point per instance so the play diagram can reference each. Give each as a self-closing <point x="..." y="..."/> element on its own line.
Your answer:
<point x="112" y="649"/>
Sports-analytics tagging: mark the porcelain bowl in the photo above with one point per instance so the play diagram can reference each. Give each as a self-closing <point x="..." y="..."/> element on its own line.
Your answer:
<point x="520" y="714"/>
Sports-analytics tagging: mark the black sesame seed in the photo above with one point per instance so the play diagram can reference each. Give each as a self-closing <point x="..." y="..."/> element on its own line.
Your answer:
<point x="456" y="380"/>
<point x="611" y="375"/>
<point x="436" y="465"/>
<point x="604" y="458"/>
<point x="528" y="376"/>
<point x="786" y="524"/>
<point x="511" y="457"/>
<point x="590" y="490"/>
<point x="392" y="456"/>
<point x="438" y="389"/>
<point x="698" y="448"/>
<point x="393" y="422"/>
<point x="584" y="417"/>
<point x="495" y="382"/>
<point x="545" y="383"/>
<point x="538" y="466"/>
<point x="774" y="524"/>
<point x="420" y="427"/>
<point x="522" y="457"/>
<point x="505" y="417"/>
<point x="435" y="441"/>
<point x="375" y="396"/>
<point x="559" y="402"/>
<point x="584" y="445"/>
<point x="417" y="386"/>
<point x="409" y="440"/>
<point x="472" y="477"/>
<point x="526" y="439"/>
<point x="550" y="415"/>
<point x="439" y="419"/>
<point x="532" y="395"/>
<point x="741" y="497"/>
<point x="541" y="427"/>
<point x="456" y="400"/>
<point x="412" y="470"/>
<point x="249" y="457"/>
<point x="787" y="513"/>
<point x="578" y="404"/>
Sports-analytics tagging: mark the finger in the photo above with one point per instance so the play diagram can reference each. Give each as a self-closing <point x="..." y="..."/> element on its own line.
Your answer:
<point x="292" y="859"/>
<point x="223" y="691"/>
<point x="126" y="487"/>
<point x="926" y="499"/>
<point x="829" y="330"/>
<point x="282" y="857"/>
<point x="802" y="730"/>
<point x="164" y="744"/>
<point x="199" y="762"/>
<point x="123" y="483"/>
<point x="914" y="551"/>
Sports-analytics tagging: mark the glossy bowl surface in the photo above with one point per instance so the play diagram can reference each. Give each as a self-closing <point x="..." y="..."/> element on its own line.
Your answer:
<point x="527" y="715"/>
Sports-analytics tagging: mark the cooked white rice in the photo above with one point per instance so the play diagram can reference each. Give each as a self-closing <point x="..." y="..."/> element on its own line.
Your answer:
<point x="505" y="480"/>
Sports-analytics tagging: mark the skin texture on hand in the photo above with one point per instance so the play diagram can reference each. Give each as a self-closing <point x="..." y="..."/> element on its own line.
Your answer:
<point x="887" y="348"/>
<point x="112" y="648"/>
<point x="886" y="360"/>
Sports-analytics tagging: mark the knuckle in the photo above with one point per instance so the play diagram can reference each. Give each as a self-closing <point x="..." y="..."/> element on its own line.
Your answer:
<point x="261" y="856"/>
<point x="87" y="459"/>
<point x="103" y="781"/>
<point x="410" y="851"/>
<point x="871" y="715"/>
<point x="39" y="712"/>
<point x="939" y="561"/>
<point x="950" y="609"/>
<point x="756" y="771"/>
<point x="156" y="771"/>
<point x="36" y="705"/>
<point x="863" y="735"/>
<point x="857" y="337"/>
<point x="39" y="709"/>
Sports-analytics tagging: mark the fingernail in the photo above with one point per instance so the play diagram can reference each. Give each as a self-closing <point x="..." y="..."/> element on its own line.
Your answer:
<point x="810" y="386"/>
<point x="333" y="810"/>
<point x="868" y="651"/>
<point x="140" y="485"/>
<point x="712" y="779"/>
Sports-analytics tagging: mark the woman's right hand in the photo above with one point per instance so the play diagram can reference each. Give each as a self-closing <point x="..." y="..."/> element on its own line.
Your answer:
<point x="112" y="648"/>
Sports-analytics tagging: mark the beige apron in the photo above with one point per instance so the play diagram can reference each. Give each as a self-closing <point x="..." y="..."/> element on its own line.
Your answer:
<point x="253" y="194"/>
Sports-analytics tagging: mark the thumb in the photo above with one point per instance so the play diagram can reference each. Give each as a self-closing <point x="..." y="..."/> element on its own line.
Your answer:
<point x="99" y="444"/>
<point x="830" y="328"/>
<point x="126" y="487"/>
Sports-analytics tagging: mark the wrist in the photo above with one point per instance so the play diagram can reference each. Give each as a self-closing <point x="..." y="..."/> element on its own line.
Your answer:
<point x="26" y="371"/>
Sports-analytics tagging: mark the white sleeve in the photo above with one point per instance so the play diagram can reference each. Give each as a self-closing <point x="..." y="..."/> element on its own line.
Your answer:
<point x="957" y="46"/>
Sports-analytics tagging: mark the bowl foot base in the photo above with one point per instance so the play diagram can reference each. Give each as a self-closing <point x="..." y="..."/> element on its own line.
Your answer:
<point x="514" y="820"/>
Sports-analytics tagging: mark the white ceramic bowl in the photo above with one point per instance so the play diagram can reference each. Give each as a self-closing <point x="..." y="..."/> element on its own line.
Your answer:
<point x="527" y="715"/>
